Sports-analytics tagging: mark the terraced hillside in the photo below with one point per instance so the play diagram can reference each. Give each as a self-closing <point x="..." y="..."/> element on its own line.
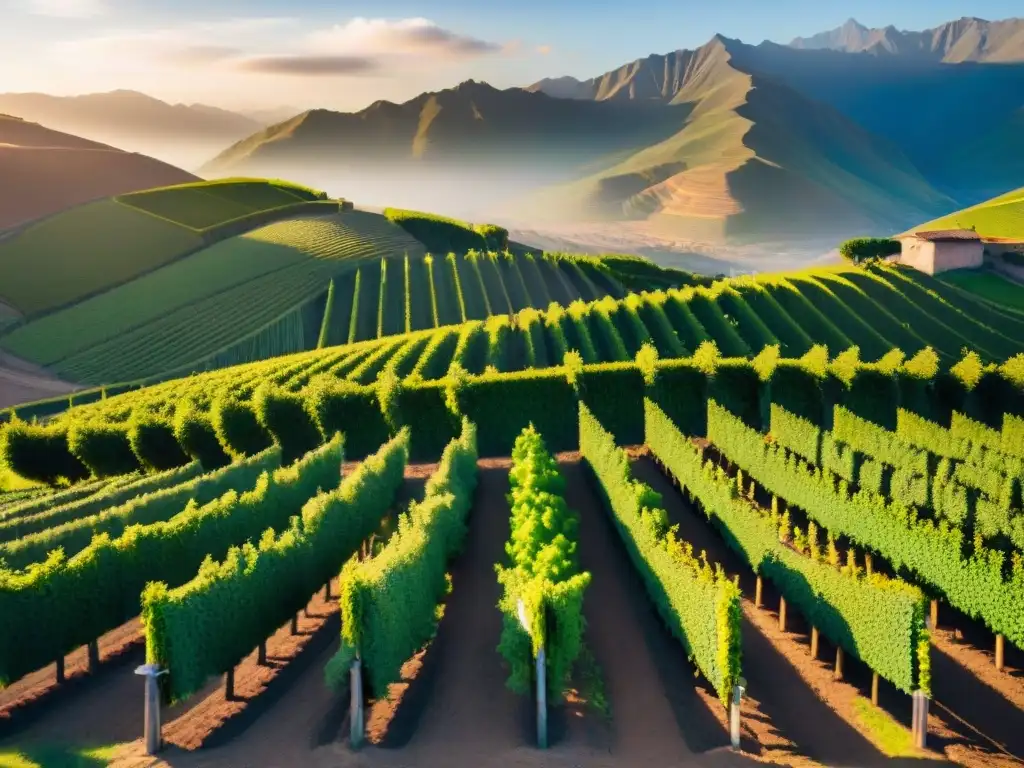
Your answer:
<point x="292" y="286"/>
<point x="86" y="250"/>
<point x="839" y="490"/>
<point x="878" y="310"/>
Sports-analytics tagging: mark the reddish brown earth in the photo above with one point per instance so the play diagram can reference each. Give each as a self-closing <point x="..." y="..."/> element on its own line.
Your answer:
<point x="453" y="709"/>
<point x="968" y="722"/>
<point x="29" y="699"/>
<point x="53" y="171"/>
<point x="22" y="382"/>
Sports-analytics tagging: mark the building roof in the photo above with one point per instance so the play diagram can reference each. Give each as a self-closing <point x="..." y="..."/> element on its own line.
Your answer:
<point x="941" y="235"/>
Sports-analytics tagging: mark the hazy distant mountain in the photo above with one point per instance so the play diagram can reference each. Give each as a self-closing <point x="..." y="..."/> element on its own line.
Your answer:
<point x="755" y="157"/>
<point x="46" y="171"/>
<point x="127" y="112"/>
<point x="726" y="141"/>
<point x="967" y="39"/>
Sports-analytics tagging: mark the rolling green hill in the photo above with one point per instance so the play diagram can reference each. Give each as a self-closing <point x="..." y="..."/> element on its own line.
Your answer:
<point x="1000" y="217"/>
<point x="293" y="285"/>
<point x="877" y="309"/>
<point x="86" y="250"/>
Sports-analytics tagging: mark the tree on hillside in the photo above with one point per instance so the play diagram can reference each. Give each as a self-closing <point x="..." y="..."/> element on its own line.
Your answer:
<point x="861" y="249"/>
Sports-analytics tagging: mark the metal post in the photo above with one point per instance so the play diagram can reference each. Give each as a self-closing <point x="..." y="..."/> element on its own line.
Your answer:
<point x="358" y="726"/>
<point x="542" y="701"/>
<point x="61" y="677"/>
<point x="327" y="592"/>
<point x="229" y="684"/>
<point x="261" y="653"/>
<point x="920" y="719"/>
<point x="734" y="712"/>
<point x="94" y="656"/>
<point x="152" y="706"/>
<point x="295" y="624"/>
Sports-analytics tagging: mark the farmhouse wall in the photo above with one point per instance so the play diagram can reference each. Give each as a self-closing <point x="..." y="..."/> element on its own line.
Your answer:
<point x="958" y="254"/>
<point x="919" y="254"/>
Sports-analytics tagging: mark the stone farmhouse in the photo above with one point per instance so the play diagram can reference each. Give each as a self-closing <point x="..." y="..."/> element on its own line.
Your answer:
<point x="937" y="251"/>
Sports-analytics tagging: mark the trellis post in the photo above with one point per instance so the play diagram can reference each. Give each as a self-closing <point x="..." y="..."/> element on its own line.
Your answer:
<point x="151" y="672"/>
<point x="734" y="712"/>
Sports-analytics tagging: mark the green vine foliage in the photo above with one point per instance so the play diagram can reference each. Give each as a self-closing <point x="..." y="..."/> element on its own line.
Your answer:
<point x="39" y="453"/>
<point x="699" y="604"/>
<point x="933" y="550"/>
<point x="389" y="602"/>
<point x="543" y="571"/>
<point x="283" y="415"/>
<point x="208" y="624"/>
<point x="143" y="500"/>
<point x="154" y="444"/>
<point x="238" y="428"/>
<point x="876" y="619"/>
<point x="61" y="604"/>
<point x="103" y="447"/>
<point x="194" y="432"/>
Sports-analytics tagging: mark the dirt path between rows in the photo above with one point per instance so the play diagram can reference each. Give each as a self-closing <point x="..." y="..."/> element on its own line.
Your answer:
<point x="658" y="715"/>
<point x="810" y="726"/>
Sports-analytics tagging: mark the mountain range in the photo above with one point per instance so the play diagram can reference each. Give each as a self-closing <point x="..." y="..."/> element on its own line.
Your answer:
<point x="966" y="39"/>
<point x="854" y="130"/>
<point x="182" y="134"/>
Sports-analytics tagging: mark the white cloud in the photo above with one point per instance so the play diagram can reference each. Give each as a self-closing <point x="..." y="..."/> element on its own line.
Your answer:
<point x="71" y="9"/>
<point x="420" y="36"/>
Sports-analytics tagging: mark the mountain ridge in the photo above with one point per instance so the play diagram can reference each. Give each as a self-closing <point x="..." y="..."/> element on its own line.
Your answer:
<point x="968" y="38"/>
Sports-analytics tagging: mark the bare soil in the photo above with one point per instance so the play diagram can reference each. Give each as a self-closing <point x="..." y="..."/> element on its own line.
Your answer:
<point x="968" y="723"/>
<point x="453" y="709"/>
<point x="786" y="691"/>
<point x="22" y="382"/>
<point x="27" y="703"/>
<point x="973" y="647"/>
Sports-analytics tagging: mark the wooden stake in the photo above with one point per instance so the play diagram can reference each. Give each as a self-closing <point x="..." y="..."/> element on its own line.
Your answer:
<point x="868" y="564"/>
<point x="757" y="592"/>
<point x="935" y="614"/>
<point x="782" y="614"/>
<point x="874" y="688"/>
<point x="295" y="624"/>
<point x="1000" y="653"/>
<point x="94" y="656"/>
<point x="261" y="653"/>
<point x="229" y="685"/>
<point x="814" y="642"/>
<point x="60" y="670"/>
<point x="327" y="591"/>
<point x="839" y="663"/>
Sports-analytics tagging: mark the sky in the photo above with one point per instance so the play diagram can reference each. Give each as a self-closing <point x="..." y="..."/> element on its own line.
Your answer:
<point x="346" y="54"/>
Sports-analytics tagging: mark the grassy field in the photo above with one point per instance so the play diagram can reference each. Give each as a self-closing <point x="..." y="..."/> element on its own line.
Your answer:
<point x="989" y="286"/>
<point x="297" y="284"/>
<point x="1002" y="216"/>
<point x="91" y="248"/>
<point x="206" y="204"/>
